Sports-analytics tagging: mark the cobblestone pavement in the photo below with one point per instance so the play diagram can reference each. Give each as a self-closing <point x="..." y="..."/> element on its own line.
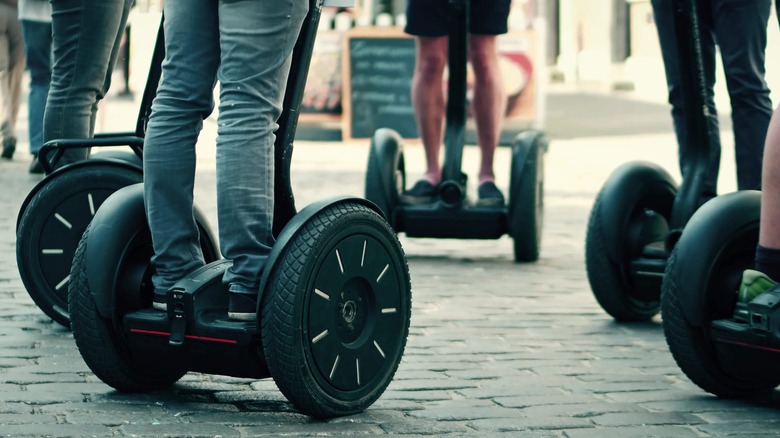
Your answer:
<point x="495" y="348"/>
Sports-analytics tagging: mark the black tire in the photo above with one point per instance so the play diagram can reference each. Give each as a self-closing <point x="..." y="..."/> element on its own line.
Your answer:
<point x="386" y="172"/>
<point x="526" y="195"/>
<point x="100" y="339"/>
<point x="712" y="268"/>
<point x="634" y="194"/>
<point x="52" y="224"/>
<point x="335" y="315"/>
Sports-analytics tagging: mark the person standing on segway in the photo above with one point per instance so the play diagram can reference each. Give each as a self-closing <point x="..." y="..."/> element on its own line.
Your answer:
<point x="427" y="21"/>
<point x="246" y="45"/>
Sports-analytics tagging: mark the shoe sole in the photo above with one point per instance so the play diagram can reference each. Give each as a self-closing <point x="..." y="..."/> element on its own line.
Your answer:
<point x="242" y="316"/>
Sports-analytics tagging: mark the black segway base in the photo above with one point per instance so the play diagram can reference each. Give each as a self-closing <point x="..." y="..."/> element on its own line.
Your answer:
<point x="440" y="221"/>
<point x="196" y="331"/>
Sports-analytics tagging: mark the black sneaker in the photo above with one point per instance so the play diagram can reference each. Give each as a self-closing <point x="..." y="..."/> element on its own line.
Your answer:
<point x="489" y="195"/>
<point x="423" y="192"/>
<point x="9" y="147"/>
<point x="160" y="302"/>
<point x="242" y="307"/>
<point x="35" y="166"/>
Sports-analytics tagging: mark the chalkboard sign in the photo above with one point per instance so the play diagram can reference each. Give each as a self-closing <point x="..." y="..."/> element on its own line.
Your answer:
<point x="378" y="69"/>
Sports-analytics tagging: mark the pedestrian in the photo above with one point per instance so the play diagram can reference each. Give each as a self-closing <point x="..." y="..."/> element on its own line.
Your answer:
<point x="739" y="29"/>
<point x="427" y="22"/>
<point x="247" y="46"/>
<point x="35" y="16"/>
<point x="11" y="71"/>
<point x="85" y="44"/>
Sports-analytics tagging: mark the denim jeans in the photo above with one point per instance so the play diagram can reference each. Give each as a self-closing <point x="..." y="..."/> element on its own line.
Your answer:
<point x="85" y="42"/>
<point x="246" y="46"/>
<point x="37" y="42"/>
<point x="739" y="28"/>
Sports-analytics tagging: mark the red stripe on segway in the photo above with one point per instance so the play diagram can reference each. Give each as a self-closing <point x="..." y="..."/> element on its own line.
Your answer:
<point x="744" y="344"/>
<point x="197" y="338"/>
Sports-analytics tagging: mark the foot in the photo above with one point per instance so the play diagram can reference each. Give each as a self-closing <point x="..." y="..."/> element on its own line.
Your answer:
<point x="9" y="147"/>
<point x="242" y="307"/>
<point x="489" y="195"/>
<point x="423" y="192"/>
<point x="35" y="166"/>
<point x="753" y="284"/>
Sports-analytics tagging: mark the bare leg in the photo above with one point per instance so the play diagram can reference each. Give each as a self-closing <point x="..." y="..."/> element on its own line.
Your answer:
<point x="428" y="100"/>
<point x="489" y="99"/>
<point x="769" y="237"/>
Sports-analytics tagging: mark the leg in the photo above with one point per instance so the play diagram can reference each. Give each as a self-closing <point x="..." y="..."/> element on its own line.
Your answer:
<point x="85" y="39"/>
<point x="489" y="99"/>
<point x="664" y="17"/>
<point x="428" y="100"/>
<point x="740" y="28"/>
<point x="37" y="39"/>
<point x="767" y="261"/>
<point x="256" y="41"/>
<point x="184" y="98"/>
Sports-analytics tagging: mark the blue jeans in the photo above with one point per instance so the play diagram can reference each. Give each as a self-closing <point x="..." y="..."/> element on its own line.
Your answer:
<point x="246" y="45"/>
<point x="86" y="36"/>
<point x="738" y="27"/>
<point x="37" y="43"/>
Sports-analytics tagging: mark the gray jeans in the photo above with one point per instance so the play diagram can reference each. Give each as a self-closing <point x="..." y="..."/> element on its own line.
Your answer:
<point x="246" y="46"/>
<point x="85" y="45"/>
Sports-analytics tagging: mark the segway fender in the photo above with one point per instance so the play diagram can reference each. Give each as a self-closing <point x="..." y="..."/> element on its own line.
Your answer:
<point x="715" y="218"/>
<point x="107" y="161"/>
<point x="523" y="146"/>
<point x="297" y="222"/>
<point x="386" y="151"/>
<point x="624" y="187"/>
<point x="122" y="215"/>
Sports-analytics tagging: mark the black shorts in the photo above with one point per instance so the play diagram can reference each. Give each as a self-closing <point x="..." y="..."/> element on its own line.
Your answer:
<point x="428" y="18"/>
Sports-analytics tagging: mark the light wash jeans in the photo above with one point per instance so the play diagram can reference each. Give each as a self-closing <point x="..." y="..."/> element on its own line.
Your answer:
<point x="246" y="45"/>
<point x="85" y="45"/>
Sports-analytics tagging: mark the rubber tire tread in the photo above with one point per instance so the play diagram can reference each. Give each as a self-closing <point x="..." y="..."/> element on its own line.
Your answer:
<point x="281" y="329"/>
<point x="605" y="278"/>
<point x="96" y="338"/>
<point x="692" y="349"/>
<point x="32" y="221"/>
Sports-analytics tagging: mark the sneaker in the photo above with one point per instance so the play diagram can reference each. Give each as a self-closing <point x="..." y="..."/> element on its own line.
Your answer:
<point x="423" y="192"/>
<point x="753" y="284"/>
<point x="35" y="166"/>
<point x="160" y="302"/>
<point x="242" y="307"/>
<point x="489" y="195"/>
<point x="9" y="147"/>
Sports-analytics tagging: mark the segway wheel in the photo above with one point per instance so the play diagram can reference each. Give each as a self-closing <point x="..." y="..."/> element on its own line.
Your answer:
<point x="703" y="273"/>
<point x="100" y="340"/>
<point x="335" y="315"/>
<point x="386" y="173"/>
<point x="51" y="226"/>
<point x="526" y="195"/>
<point x="631" y="211"/>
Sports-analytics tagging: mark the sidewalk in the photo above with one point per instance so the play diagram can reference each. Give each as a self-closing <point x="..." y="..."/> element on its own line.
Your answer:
<point x="495" y="348"/>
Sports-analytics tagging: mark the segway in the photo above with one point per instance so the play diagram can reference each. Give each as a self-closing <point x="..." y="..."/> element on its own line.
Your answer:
<point x="452" y="215"/>
<point x="335" y="301"/>
<point x="640" y="212"/>
<point x="727" y="348"/>
<point x="56" y="212"/>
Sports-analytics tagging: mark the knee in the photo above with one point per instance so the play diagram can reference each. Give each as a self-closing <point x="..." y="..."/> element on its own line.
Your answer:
<point x="431" y="66"/>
